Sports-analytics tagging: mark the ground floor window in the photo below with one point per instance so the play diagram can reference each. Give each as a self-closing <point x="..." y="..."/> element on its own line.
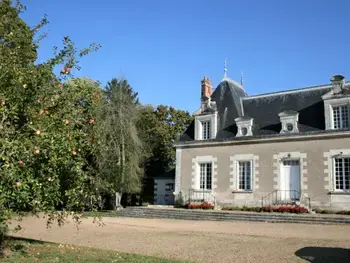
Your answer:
<point x="342" y="173"/>
<point x="169" y="187"/>
<point x="205" y="180"/>
<point x="245" y="175"/>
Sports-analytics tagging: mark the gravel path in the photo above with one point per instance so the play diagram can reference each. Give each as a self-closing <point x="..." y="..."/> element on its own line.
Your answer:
<point x="203" y="241"/>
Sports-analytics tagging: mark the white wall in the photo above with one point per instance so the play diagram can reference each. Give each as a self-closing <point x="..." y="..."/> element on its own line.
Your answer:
<point x="161" y="195"/>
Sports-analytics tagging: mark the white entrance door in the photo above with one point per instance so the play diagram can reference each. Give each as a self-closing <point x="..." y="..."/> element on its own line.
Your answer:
<point x="290" y="180"/>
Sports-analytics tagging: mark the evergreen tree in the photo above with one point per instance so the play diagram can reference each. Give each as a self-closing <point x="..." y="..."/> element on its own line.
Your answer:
<point x="119" y="150"/>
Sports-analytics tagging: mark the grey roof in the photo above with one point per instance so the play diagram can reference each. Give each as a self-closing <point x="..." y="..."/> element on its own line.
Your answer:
<point x="233" y="102"/>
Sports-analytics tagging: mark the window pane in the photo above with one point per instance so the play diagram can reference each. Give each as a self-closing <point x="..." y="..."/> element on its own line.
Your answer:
<point x="209" y="179"/>
<point x="341" y="117"/>
<point x="202" y="175"/>
<point x="336" y="117"/>
<point x="206" y="130"/>
<point x="342" y="173"/>
<point x="205" y="176"/>
<point x="345" y="117"/>
<point x="244" y="175"/>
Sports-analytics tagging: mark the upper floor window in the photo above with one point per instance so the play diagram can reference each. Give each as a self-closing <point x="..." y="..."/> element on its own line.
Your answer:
<point x="205" y="179"/>
<point x="244" y="126"/>
<point x="341" y="117"/>
<point x="244" y="175"/>
<point x="206" y="130"/>
<point x="289" y="121"/>
<point x="342" y="173"/>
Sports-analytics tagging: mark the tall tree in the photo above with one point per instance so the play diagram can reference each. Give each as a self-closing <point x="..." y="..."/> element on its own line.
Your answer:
<point x="45" y="124"/>
<point x="161" y="128"/>
<point x="119" y="148"/>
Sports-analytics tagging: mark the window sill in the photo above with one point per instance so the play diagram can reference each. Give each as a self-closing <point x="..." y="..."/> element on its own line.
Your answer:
<point x="242" y="192"/>
<point x="339" y="193"/>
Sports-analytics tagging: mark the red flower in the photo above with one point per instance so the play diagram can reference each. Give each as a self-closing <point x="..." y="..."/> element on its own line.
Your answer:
<point x="3" y="102"/>
<point x="20" y="163"/>
<point x="91" y="121"/>
<point x="46" y="112"/>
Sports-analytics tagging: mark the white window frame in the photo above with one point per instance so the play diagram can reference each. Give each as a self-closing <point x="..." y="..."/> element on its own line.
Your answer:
<point x="212" y="118"/>
<point x="206" y="129"/>
<point x="238" y="175"/>
<point x="340" y="119"/>
<point x="196" y="173"/>
<point x="234" y="171"/>
<point x="329" y="104"/>
<point x="205" y="178"/>
<point x="245" y="123"/>
<point x="334" y="174"/>
<point x="287" y="119"/>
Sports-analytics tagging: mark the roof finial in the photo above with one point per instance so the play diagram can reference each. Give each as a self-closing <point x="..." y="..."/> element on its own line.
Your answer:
<point x="225" y="69"/>
<point x="242" y="78"/>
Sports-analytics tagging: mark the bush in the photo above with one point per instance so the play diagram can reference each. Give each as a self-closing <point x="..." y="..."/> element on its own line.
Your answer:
<point x="231" y="208"/>
<point x="344" y="212"/>
<point x="243" y="208"/>
<point x="285" y="209"/>
<point x="179" y="201"/>
<point x="204" y="205"/>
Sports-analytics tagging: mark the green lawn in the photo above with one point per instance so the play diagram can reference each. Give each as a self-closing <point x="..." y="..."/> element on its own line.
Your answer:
<point x="26" y="251"/>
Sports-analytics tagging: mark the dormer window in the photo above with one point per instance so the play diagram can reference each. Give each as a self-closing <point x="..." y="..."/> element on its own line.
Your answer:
<point x="289" y="121"/>
<point x="341" y="117"/>
<point x="205" y="130"/>
<point x="244" y="126"/>
<point x="337" y="104"/>
<point x="290" y="127"/>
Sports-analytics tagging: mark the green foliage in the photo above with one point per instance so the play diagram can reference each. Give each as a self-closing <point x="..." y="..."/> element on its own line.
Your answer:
<point x="45" y="123"/>
<point x="119" y="149"/>
<point x="162" y="127"/>
<point x="35" y="251"/>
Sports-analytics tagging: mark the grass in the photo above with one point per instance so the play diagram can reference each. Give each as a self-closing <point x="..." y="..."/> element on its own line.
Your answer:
<point x="26" y="250"/>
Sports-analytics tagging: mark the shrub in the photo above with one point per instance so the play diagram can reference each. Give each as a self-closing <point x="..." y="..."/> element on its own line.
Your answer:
<point x="344" y="212"/>
<point x="231" y="208"/>
<point x="243" y="208"/>
<point x="204" y="205"/>
<point x="285" y="209"/>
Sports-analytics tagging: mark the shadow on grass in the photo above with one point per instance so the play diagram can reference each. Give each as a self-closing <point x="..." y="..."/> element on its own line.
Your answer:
<point x="28" y="240"/>
<point x="324" y="254"/>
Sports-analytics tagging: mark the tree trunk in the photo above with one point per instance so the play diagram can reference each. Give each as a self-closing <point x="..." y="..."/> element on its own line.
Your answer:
<point x="117" y="200"/>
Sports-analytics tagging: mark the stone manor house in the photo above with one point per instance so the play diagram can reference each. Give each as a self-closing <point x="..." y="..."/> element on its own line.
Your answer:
<point x="287" y="147"/>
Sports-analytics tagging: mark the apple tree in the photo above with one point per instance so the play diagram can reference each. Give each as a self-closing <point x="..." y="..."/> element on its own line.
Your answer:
<point x="47" y="122"/>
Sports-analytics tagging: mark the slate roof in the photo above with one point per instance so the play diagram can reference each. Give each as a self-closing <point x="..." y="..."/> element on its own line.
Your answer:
<point x="233" y="102"/>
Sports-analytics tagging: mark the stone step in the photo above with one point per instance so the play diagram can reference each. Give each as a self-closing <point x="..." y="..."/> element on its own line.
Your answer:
<point x="142" y="212"/>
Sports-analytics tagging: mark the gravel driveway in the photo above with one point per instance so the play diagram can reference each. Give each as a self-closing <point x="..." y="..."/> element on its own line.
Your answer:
<point x="203" y="241"/>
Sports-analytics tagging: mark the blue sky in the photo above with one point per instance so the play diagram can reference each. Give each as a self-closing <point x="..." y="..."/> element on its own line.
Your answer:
<point x="164" y="48"/>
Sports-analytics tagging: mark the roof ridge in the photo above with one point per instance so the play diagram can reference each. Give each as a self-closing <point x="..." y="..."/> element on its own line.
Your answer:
<point x="290" y="91"/>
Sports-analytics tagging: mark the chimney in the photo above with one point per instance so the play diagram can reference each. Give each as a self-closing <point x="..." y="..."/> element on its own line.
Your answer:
<point x="338" y="82"/>
<point x="206" y="92"/>
<point x="207" y="88"/>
